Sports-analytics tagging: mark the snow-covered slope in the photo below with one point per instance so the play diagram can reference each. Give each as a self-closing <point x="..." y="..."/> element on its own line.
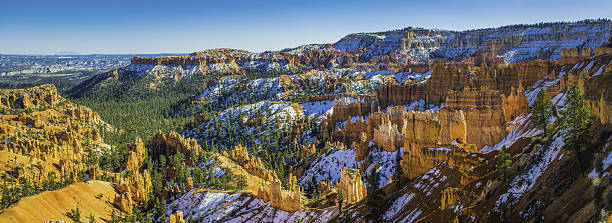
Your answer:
<point x="513" y="43"/>
<point x="206" y="206"/>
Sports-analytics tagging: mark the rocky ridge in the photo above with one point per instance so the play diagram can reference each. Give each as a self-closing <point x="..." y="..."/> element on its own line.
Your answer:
<point x="443" y="101"/>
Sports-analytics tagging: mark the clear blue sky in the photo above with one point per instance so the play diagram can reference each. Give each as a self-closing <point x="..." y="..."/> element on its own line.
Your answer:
<point x="127" y="26"/>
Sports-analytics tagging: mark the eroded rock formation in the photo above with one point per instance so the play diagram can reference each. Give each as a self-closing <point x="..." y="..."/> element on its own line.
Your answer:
<point x="51" y="137"/>
<point x="573" y="55"/>
<point x="276" y="197"/>
<point x="132" y="190"/>
<point x="351" y="185"/>
<point x="34" y="97"/>
<point x="177" y="217"/>
<point x="253" y="165"/>
<point x="485" y="112"/>
<point x="135" y="155"/>
<point x="171" y="143"/>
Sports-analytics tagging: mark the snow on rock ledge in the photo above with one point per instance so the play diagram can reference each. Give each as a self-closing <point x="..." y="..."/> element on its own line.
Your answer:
<point x="207" y="206"/>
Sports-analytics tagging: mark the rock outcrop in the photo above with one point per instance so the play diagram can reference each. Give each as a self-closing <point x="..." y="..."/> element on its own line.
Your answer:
<point x="171" y="143"/>
<point x="388" y="137"/>
<point x="449" y="197"/>
<point x="253" y="165"/>
<point x="573" y="55"/>
<point x="306" y="151"/>
<point x="485" y="112"/>
<point x="454" y="77"/>
<point x="34" y="124"/>
<point x="418" y="160"/>
<point x="344" y="109"/>
<point x="598" y="95"/>
<point x="325" y="187"/>
<point x="135" y="155"/>
<point x="34" y="97"/>
<point x="239" y="61"/>
<point x="124" y="202"/>
<point x="599" y="51"/>
<point x="277" y="199"/>
<point x="132" y="190"/>
<point x="351" y="185"/>
<point x="177" y="217"/>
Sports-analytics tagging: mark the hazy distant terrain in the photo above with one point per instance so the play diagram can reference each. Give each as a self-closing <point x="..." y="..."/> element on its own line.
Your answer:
<point x="64" y="71"/>
<point x="507" y="124"/>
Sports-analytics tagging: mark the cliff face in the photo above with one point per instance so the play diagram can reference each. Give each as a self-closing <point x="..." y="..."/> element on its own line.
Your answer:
<point x="253" y="165"/>
<point x="233" y="61"/>
<point x="513" y="43"/>
<point x="574" y="55"/>
<point x="455" y="77"/>
<point x="485" y="112"/>
<point x="344" y="109"/>
<point x="487" y="97"/>
<point x="351" y="185"/>
<point x="278" y="199"/>
<point x="387" y="136"/>
<point x="135" y="155"/>
<point x="532" y="71"/>
<point x="599" y="51"/>
<point x="36" y="125"/>
<point x="471" y="116"/>
<point x="312" y="57"/>
<point x="171" y="143"/>
<point x="596" y="90"/>
<point x="34" y="97"/>
<point x="132" y="190"/>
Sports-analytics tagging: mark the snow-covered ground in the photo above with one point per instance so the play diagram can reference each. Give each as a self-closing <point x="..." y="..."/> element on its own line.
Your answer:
<point x="236" y="207"/>
<point x="429" y="181"/>
<point x="397" y="206"/>
<point x="526" y="179"/>
<point x="387" y="164"/>
<point x="521" y="127"/>
<point x="427" y="44"/>
<point x="317" y="108"/>
<point x="421" y="106"/>
<point x="407" y="208"/>
<point x="327" y="167"/>
<point x="605" y="163"/>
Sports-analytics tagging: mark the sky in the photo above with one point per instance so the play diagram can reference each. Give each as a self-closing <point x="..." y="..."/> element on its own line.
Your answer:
<point x="174" y="26"/>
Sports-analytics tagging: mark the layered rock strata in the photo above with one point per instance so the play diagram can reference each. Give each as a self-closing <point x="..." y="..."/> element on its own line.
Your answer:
<point x="171" y="143"/>
<point x="135" y="155"/>
<point x="253" y="165"/>
<point x="351" y="185"/>
<point x="278" y="199"/>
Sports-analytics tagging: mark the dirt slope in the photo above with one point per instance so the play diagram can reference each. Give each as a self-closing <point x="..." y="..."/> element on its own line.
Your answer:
<point x="53" y="205"/>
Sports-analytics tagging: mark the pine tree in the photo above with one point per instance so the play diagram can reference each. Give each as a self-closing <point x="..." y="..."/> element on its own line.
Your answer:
<point x="397" y="174"/>
<point x="541" y="110"/>
<point x="504" y="163"/>
<point x="75" y="214"/>
<point x="340" y="200"/>
<point x="372" y="179"/>
<point x="609" y="44"/>
<point x="375" y="199"/>
<point x="241" y="182"/>
<point x="576" y="120"/>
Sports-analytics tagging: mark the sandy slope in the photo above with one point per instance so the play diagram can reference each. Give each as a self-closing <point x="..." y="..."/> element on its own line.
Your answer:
<point x="52" y="205"/>
<point x="253" y="182"/>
